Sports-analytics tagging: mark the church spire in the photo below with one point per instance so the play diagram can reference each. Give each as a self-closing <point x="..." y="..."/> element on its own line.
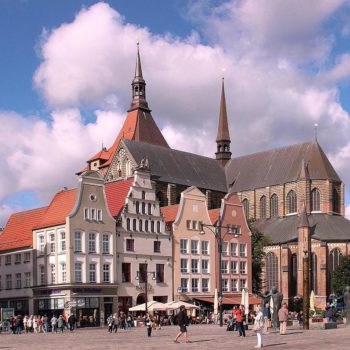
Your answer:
<point x="138" y="87"/>
<point x="223" y="154"/>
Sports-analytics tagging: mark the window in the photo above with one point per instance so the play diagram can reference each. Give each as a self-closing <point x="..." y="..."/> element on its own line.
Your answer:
<point x="27" y="257"/>
<point x="130" y="245"/>
<point x="140" y="225"/>
<point x="53" y="273"/>
<point x="134" y="224"/>
<point x="224" y="282"/>
<point x="160" y="273"/>
<point x="41" y="244"/>
<point x="106" y="273"/>
<point x="77" y="241"/>
<point x="78" y="272"/>
<point x="243" y="267"/>
<point x="333" y="262"/>
<point x="243" y="284"/>
<point x="194" y="225"/>
<point x="158" y="226"/>
<point x="137" y="207"/>
<point x="26" y="279"/>
<point x="315" y="200"/>
<point x="143" y="273"/>
<point x="7" y="259"/>
<point x="92" y="273"/>
<point x="92" y="242"/>
<point x="143" y="195"/>
<point x="233" y="249"/>
<point x="271" y="270"/>
<point x="245" y="203"/>
<point x="63" y="241"/>
<point x="188" y="224"/>
<point x="224" y="266"/>
<point x="194" y="265"/>
<point x="224" y="249"/>
<point x="156" y="246"/>
<point x="99" y="214"/>
<point x="183" y="246"/>
<point x="93" y="214"/>
<point x="18" y="258"/>
<point x="263" y="207"/>
<point x="184" y="265"/>
<point x="41" y="275"/>
<point x="105" y="244"/>
<point x="194" y="247"/>
<point x="274" y="205"/>
<point x="184" y="285"/>
<point x="195" y="285"/>
<point x="8" y="281"/>
<point x="205" y="247"/>
<point x="313" y="276"/>
<point x="234" y="285"/>
<point x="143" y="208"/>
<point x="205" y="285"/>
<point x="128" y="224"/>
<point x="63" y="272"/>
<point x="126" y="272"/>
<point x="291" y="202"/>
<point x="242" y="250"/>
<point x="149" y="209"/>
<point x="205" y="266"/>
<point x="52" y="243"/>
<point x="234" y="267"/>
<point x="18" y="280"/>
<point x="146" y="225"/>
<point x="152" y="226"/>
<point x="336" y="201"/>
<point x="86" y="214"/>
<point x="294" y="275"/>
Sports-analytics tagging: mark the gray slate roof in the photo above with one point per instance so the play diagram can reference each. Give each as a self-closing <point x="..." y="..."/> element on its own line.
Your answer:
<point x="178" y="167"/>
<point x="323" y="227"/>
<point x="278" y="166"/>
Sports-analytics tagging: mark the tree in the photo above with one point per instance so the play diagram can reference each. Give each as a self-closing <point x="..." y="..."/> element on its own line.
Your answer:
<point x="341" y="275"/>
<point x="259" y="241"/>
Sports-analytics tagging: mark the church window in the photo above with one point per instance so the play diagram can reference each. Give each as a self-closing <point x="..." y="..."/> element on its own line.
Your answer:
<point x="333" y="262"/>
<point x="263" y="207"/>
<point x="294" y="275"/>
<point x="271" y="270"/>
<point x="291" y="202"/>
<point x="245" y="203"/>
<point x="274" y="205"/>
<point x="314" y="272"/>
<point x="336" y="201"/>
<point x="127" y="167"/>
<point x="315" y="200"/>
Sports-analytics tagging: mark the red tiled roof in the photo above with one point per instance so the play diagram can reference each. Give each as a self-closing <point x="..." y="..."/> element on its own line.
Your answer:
<point x="18" y="230"/>
<point x="170" y="212"/>
<point x="104" y="155"/>
<point x="59" y="208"/>
<point x="116" y="193"/>
<point x="214" y="215"/>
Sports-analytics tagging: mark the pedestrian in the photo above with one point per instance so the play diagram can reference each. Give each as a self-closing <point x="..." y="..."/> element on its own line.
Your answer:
<point x="35" y="324"/>
<point x="183" y="322"/>
<point x="300" y="318"/>
<point x="283" y="318"/>
<point x="115" y="323"/>
<point x="40" y="323"/>
<point x="329" y="312"/>
<point x="54" y="324"/>
<point x="60" y="323"/>
<point x="71" y="322"/>
<point x="148" y="324"/>
<point x="30" y="324"/>
<point x="110" y="323"/>
<point x="239" y="320"/>
<point x="258" y="327"/>
<point x="45" y="323"/>
<point x="19" y="324"/>
<point x="267" y="317"/>
<point x="25" y="321"/>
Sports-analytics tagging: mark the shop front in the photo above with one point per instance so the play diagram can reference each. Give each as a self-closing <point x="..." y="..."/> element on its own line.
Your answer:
<point x="20" y="306"/>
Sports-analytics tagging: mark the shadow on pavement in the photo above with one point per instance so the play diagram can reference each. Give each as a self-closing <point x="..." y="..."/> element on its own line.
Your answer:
<point x="277" y="344"/>
<point x="201" y="341"/>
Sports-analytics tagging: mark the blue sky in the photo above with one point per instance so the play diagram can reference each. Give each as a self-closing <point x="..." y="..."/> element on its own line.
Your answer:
<point x="66" y="68"/>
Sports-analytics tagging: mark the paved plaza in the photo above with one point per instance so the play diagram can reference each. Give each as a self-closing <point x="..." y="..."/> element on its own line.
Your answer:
<point x="201" y="336"/>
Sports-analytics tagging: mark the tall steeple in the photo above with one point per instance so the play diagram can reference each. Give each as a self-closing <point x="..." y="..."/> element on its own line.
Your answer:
<point x="223" y="154"/>
<point x="138" y="87"/>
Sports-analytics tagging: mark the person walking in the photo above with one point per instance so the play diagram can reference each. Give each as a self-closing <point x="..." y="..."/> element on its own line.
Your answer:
<point x="40" y="323"/>
<point x="54" y="324"/>
<point x="183" y="322"/>
<point x="115" y="323"/>
<point x="239" y="320"/>
<point x="258" y="327"/>
<point x="45" y="323"/>
<point x="60" y="323"/>
<point x="110" y="323"/>
<point x="25" y="324"/>
<point x="283" y="318"/>
<point x="30" y="324"/>
<point x="148" y="324"/>
<point x="71" y="322"/>
<point x="267" y="317"/>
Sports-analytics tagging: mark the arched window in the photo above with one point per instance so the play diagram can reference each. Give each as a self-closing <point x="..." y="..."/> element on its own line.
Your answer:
<point x="263" y="207"/>
<point x="146" y="225"/>
<point x="336" y="200"/>
<point x="128" y="224"/>
<point x="271" y="271"/>
<point x="143" y="195"/>
<point x="291" y="202"/>
<point x="152" y="226"/>
<point x="314" y="272"/>
<point x="315" y="200"/>
<point x="274" y="205"/>
<point x="140" y="225"/>
<point x="333" y="262"/>
<point x="143" y="208"/>
<point x="294" y="274"/>
<point x="158" y="226"/>
<point x="134" y="224"/>
<point x="137" y="207"/>
<point x="245" y="203"/>
<point x="149" y="208"/>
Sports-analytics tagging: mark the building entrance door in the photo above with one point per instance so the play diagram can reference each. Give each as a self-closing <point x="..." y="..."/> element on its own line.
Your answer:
<point x="108" y="311"/>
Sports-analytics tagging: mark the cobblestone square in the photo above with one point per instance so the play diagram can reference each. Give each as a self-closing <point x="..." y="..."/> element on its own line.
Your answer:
<point x="201" y="336"/>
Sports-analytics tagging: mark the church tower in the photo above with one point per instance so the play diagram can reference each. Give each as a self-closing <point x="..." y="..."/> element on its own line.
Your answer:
<point x="223" y="154"/>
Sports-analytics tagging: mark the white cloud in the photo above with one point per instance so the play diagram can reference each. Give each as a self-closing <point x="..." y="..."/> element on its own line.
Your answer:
<point x="347" y="212"/>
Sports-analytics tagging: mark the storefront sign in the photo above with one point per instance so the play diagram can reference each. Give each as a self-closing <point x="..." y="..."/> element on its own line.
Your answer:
<point x="141" y="288"/>
<point x="74" y="303"/>
<point x="87" y="290"/>
<point x="7" y="313"/>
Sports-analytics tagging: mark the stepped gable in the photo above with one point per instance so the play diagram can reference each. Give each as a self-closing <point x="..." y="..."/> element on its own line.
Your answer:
<point x="60" y="207"/>
<point x="178" y="167"/>
<point x="116" y="192"/>
<point x="323" y="227"/>
<point x="278" y="166"/>
<point x="18" y="230"/>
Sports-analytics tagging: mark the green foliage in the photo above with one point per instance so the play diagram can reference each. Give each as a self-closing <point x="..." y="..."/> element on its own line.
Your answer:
<point x="295" y="304"/>
<point x="258" y="243"/>
<point x="341" y="275"/>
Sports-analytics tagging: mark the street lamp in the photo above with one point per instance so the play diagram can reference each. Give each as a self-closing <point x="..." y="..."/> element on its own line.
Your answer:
<point x="306" y="289"/>
<point x="216" y="229"/>
<point x="143" y="276"/>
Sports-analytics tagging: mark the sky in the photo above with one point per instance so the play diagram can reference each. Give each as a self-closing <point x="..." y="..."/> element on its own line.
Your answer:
<point x="66" y="69"/>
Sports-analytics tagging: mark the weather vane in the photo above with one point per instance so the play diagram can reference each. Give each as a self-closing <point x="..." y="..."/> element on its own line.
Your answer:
<point x="223" y="70"/>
